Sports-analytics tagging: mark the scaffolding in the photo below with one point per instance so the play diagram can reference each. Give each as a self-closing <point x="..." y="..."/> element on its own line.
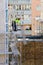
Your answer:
<point x="11" y="39"/>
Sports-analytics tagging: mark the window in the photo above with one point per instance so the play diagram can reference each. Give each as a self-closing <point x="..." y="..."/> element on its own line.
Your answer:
<point x="22" y="17"/>
<point x="38" y="7"/>
<point x="14" y="7"/>
<point x="37" y="18"/>
<point x="19" y="7"/>
<point x="27" y="7"/>
<point x="26" y="17"/>
<point x="23" y="7"/>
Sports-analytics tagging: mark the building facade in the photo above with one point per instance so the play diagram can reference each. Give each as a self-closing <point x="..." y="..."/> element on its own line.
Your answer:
<point x="37" y="17"/>
<point x="41" y="16"/>
<point x="30" y="13"/>
<point x="20" y="9"/>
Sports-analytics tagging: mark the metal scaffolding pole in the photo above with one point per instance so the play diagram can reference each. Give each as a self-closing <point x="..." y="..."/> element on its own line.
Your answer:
<point x="6" y="44"/>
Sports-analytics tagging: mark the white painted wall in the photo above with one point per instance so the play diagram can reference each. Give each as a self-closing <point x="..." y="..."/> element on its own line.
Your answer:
<point x="2" y="16"/>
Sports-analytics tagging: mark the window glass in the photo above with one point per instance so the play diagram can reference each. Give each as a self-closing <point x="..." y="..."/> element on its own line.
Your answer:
<point x="26" y="17"/>
<point x="19" y="7"/>
<point x="38" y="8"/>
<point x="27" y="7"/>
<point x="23" y="7"/>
